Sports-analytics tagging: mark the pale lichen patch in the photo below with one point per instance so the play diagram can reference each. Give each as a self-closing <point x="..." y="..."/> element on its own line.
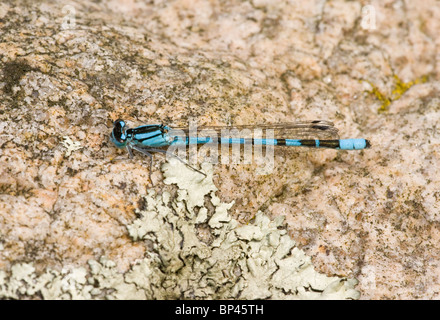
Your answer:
<point x="255" y="261"/>
<point x="70" y="145"/>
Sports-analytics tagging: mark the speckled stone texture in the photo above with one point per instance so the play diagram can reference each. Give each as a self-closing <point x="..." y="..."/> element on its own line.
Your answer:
<point x="69" y="68"/>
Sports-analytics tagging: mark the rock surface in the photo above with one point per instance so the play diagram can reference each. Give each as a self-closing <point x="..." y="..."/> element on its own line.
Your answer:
<point x="68" y="69"/>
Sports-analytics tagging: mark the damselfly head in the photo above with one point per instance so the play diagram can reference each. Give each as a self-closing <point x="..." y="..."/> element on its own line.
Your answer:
<point x="119" y="136"/>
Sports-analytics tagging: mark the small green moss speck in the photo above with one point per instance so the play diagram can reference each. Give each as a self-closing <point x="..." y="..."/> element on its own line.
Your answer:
<point x="400" y="88"/>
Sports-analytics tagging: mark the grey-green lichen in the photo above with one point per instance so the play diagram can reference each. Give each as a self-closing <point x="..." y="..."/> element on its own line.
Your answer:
<point x="196" y="251"/>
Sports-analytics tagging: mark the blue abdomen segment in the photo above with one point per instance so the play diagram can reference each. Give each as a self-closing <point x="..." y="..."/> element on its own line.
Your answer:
<point x="353" y="144"/>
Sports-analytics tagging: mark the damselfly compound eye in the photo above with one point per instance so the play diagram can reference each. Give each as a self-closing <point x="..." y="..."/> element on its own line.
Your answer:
<point x="118" y="136"/>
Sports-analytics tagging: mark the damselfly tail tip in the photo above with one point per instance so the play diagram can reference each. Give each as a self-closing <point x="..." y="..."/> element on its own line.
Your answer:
<point x="367" y="144"/>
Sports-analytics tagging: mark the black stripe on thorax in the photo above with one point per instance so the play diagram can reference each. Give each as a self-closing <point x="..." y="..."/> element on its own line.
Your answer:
<point x="146" y="129"/>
